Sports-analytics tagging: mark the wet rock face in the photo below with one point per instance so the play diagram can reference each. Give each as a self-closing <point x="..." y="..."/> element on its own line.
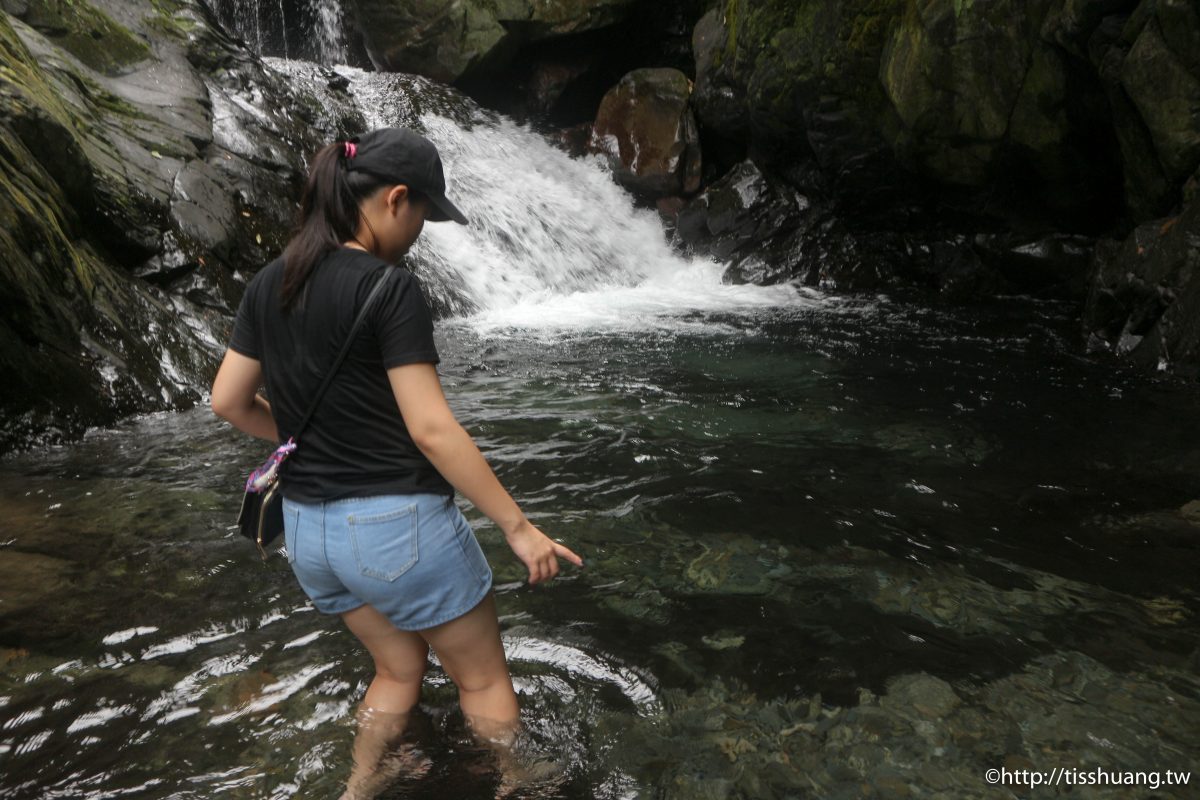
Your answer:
<point x="888" y="95"/>
<point x="717" y="99"/>
<point x="1164" y="84"/>
<point x="1150" y="79"/>
<point x="647" y="130"/>
<point x="771" y="233"/>
<point x="1044" y="122"/>
<point x="1038" y="98"/>
<point x="797" y="81"/>
<point x="447" y="41"/>
<point x="139" y="189"/>
<point x="751" y="221"/>
<point x="1144" y="302"/>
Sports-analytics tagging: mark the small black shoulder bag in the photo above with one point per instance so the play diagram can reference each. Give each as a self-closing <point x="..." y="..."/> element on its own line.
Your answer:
<point x="261" y="515"/>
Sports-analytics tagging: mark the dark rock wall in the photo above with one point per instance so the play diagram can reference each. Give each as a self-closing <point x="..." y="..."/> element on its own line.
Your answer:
<point x="549" y="62"/>
<point x="148" y="165"/>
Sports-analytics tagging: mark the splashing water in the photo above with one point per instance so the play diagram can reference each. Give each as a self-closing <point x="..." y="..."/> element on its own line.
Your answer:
<point x="261" y="22"/>
<point x="331" y="46"/>
<point x="553" y="242"/>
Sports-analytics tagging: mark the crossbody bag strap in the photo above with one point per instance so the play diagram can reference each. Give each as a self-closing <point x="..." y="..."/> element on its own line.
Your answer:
<point x="341" y="356"/>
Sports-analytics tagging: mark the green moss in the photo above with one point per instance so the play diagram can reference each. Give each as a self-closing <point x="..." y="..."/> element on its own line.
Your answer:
<point x="870" y="28"/>
<point x="110" y="103"/>
<point x="166" y="17"/>
<point x="31" y="204"/>
<point x="729" y="19"/>
<point x="87" y="33"/>
<point x="19" y="68"/>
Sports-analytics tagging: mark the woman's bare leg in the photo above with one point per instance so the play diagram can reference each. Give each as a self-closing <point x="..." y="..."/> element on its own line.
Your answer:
<point x="400" y="659"/>
<point x="472" y="654"/>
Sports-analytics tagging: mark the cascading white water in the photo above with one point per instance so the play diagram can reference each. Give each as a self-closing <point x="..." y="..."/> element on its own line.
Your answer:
<point x="331" y="47"/>
<point x="553" y="242"/>
<point x="283" y="26"/>
<point x="255" y="20"/>
<point x="245" y="18"/>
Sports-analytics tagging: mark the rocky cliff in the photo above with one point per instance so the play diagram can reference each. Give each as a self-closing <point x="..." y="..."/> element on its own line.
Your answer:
<point x="148" y="164"/>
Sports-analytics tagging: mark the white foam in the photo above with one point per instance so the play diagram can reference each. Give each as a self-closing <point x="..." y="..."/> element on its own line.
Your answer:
<point x="553" y="242"/>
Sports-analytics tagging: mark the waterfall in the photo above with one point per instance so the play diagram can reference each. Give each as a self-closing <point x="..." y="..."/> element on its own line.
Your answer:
<point x="243" y="17"/>
<point x="553" y="242"/>
<point x="283" y="27"/>
<point x="331" y="47"/>
<point x="316" y="25"/>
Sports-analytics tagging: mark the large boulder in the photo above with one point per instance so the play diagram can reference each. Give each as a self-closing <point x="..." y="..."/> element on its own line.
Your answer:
<point x="1144" y="303"/>
<point x="768" y="232"/>
<point x="646" y="128"/>
<point x="448" y="41"/>
<point x="741" y="213"/>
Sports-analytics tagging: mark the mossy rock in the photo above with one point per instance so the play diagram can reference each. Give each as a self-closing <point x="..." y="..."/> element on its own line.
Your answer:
<point x="87" y="33"/>
<point x="1167" y="95"/>
<point x="802" y="75"/>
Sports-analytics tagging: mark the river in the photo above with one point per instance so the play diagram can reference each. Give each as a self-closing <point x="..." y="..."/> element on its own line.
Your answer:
<point x="789" y="517"/>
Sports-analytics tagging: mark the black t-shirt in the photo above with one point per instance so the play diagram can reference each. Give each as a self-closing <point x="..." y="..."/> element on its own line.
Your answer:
<point x="356" y="444"/>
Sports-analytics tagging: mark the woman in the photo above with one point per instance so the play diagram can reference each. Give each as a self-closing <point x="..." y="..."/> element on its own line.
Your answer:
<point x="370" y="524"/>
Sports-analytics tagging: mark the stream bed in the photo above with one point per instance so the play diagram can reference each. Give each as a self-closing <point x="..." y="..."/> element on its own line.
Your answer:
<point x="834" y="547"/>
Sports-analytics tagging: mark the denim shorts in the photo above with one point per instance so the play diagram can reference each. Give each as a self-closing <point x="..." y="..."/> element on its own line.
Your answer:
<point x="414" y="557"/>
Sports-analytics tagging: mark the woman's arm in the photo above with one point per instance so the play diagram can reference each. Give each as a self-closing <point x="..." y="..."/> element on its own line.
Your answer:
<point x="434" y="430"/>
<point x="235" y="397"/>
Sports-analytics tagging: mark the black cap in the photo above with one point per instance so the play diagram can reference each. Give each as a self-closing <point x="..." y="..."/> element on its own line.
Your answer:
<point x="404" y="156"/>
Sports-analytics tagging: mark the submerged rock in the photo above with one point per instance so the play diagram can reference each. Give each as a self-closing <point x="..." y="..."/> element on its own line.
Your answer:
<point x="928" y="696"/>
<point x="923" y="737"/>
<point x="31" y="580"/>
<point x="735" y="565"/>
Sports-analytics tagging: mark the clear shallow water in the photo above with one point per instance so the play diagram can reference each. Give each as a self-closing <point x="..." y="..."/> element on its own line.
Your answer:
<point x="832" y="550"/>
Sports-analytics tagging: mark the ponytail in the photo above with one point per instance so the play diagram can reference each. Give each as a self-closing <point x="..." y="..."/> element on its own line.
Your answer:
<point x="329" y="215"/>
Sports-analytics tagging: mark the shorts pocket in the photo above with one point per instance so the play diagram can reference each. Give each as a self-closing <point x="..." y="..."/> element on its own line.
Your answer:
<point x="385" y="543"/>
<point x="291" y="522"/>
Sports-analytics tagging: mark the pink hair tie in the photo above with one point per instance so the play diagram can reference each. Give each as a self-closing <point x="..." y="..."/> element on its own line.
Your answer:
<point x="350" y="149"/>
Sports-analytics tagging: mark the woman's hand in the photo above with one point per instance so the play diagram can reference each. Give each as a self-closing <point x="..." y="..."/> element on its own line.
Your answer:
<point x="539" y="552"/>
